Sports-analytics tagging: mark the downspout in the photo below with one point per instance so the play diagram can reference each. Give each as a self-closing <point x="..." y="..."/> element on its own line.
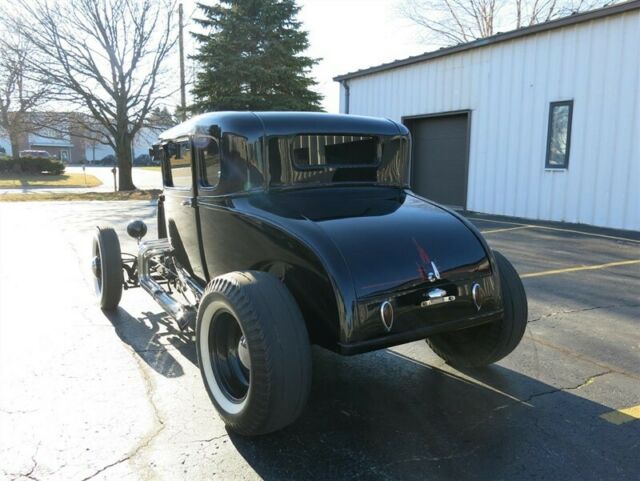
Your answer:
<point x="347" y="94"/>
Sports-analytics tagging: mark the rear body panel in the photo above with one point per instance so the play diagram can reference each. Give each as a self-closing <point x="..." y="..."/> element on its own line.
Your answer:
<point x="381" y="244"/>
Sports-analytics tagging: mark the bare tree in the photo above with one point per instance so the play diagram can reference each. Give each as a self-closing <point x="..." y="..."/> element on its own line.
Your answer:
<point x="20" y="92"/>
<point x="108" y="58"/>
<point x="450" y="22"/>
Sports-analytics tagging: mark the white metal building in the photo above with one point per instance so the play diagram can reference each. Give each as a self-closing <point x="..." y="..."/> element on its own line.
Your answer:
<point x="541" y="123"/>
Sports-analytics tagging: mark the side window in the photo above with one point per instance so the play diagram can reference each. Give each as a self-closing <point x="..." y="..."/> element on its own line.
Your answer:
<point x="209" y="152"/>
<point x="179" y="156"/>
<point x="559" y="135"/>
<point x="234" y="167"/>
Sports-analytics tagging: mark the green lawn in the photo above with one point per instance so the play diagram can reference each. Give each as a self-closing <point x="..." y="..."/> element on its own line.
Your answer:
<point x="21" y="181"/>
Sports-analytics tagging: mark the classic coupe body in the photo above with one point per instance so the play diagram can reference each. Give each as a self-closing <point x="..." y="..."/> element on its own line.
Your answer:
<point x="283" y="230"/>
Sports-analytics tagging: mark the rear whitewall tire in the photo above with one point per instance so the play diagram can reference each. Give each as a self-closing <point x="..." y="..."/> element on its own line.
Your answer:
<point x="273" y="351"/>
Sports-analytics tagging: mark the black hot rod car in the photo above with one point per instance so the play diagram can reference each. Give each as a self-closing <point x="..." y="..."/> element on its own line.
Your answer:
<point x="281" y="230"/>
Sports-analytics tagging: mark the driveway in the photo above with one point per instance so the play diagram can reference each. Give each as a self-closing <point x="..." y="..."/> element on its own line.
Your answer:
<point x="85" y="395"/>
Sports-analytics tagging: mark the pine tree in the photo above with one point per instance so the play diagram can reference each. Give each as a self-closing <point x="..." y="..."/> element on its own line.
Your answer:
<point x="251" y="58"/>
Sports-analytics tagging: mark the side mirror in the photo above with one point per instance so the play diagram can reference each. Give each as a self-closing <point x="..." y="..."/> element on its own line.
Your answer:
<point x="137" y="229"/>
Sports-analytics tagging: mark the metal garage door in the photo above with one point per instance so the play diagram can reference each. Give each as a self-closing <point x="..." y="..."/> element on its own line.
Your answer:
<point x="440" y="158"/>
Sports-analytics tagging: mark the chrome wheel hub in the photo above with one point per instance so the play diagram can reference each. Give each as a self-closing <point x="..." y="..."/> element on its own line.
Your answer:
<point x="95" y="266"/>
<point x="243" y="353"/>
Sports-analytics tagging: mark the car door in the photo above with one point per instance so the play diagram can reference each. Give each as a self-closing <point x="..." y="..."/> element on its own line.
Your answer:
<point x="222" y="175"/>
<point x="180" y="205"/>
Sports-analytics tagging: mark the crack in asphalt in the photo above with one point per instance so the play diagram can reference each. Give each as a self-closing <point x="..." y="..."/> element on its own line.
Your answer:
<point x="11" y="412"/>
<point x="104" y="468"/>
<point x="225" y="435"/>
<point x="586" y="382"/>
<point x="584" y="358"/>
<point x="517" y="402"/>
<point x="572" y="311"/>
<point x="28" y="474"/>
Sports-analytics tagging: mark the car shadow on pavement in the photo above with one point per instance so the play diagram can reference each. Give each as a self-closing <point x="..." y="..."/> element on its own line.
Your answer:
<point x="384" y="416"/>
<point x="156" y="338"/>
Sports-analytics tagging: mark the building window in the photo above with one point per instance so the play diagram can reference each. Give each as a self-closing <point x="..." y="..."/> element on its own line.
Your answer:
<point x="559" y="135"/>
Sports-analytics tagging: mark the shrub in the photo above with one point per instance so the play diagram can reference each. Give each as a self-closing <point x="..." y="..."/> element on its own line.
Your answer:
<point x="31" y="165"/>
<point x="56" y="167"/>
<point x="109" y="160"/>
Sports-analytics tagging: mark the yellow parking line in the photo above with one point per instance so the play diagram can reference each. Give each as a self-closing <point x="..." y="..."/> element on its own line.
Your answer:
<point x="580" y="268"/>
<point x="505" y="229"/>
<point x="621" y="416"/>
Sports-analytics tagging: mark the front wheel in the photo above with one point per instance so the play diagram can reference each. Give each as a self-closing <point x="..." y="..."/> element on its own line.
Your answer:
<point x="107" y="267"/>
<point x="482" y="345"/>
<point x="253" y="352"/>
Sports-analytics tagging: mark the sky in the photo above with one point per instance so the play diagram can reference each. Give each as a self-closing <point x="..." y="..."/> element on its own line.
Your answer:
<point x="349" y="35"/>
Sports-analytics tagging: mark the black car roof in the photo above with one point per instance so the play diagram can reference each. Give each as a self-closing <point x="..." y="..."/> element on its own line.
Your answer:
<point x="283" y="123"/>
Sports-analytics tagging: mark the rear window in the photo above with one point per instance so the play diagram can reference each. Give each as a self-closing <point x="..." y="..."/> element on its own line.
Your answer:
<point x="328" y="159"/>
<point x="334" y="151"/>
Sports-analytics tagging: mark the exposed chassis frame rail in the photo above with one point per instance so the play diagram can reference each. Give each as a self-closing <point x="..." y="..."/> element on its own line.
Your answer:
<point x="146" y="270"/>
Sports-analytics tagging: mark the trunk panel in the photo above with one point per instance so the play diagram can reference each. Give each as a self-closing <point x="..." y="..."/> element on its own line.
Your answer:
<point x="391" y="240"/>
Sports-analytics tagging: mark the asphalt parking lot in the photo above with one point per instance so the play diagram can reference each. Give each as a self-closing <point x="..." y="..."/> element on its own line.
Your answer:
<point x="84" y="395"/>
